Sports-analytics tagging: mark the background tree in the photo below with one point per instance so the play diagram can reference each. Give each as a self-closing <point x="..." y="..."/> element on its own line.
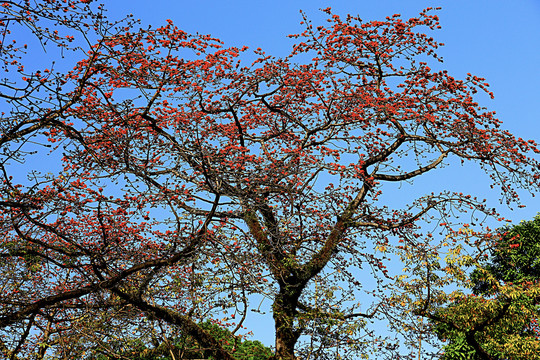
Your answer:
<point x="187" y="181"/>
<point x="500" y="319"/>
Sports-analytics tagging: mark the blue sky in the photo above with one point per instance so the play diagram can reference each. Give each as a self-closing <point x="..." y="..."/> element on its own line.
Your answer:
<point x="495" y="39"/>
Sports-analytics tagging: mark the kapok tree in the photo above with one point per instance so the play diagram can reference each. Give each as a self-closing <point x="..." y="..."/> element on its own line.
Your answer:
<point x="189" y="181"/>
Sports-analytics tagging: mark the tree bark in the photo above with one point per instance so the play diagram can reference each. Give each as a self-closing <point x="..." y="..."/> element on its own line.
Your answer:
<point x="284" y="309"/>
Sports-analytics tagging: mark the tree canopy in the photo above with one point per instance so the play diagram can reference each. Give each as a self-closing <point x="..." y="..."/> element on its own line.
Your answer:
<point x="181" y="182"/>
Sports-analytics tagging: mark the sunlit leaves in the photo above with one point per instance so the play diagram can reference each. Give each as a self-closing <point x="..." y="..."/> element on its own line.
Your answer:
<point x="500" y="317"/>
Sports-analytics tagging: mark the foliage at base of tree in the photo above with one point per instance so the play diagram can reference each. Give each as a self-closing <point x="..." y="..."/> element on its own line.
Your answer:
<point x="188" y="348"/>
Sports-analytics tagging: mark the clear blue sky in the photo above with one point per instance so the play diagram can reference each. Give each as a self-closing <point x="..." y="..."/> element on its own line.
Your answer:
<point x="495" y="39"/>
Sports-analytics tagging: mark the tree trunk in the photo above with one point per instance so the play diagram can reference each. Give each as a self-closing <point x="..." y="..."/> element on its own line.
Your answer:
<point x="284" y="309"/>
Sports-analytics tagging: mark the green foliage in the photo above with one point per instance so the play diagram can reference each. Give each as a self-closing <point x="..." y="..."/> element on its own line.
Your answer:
<point x="515" y="258"/>
<point x="458" y="349"/>
<point x="187" y="348"/>
<point x="502" y="312"/>
<point x="241" y="350"/>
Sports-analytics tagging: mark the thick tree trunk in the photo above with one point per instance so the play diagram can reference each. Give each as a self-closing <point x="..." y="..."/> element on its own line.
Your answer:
<point x="284" y="309"/>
